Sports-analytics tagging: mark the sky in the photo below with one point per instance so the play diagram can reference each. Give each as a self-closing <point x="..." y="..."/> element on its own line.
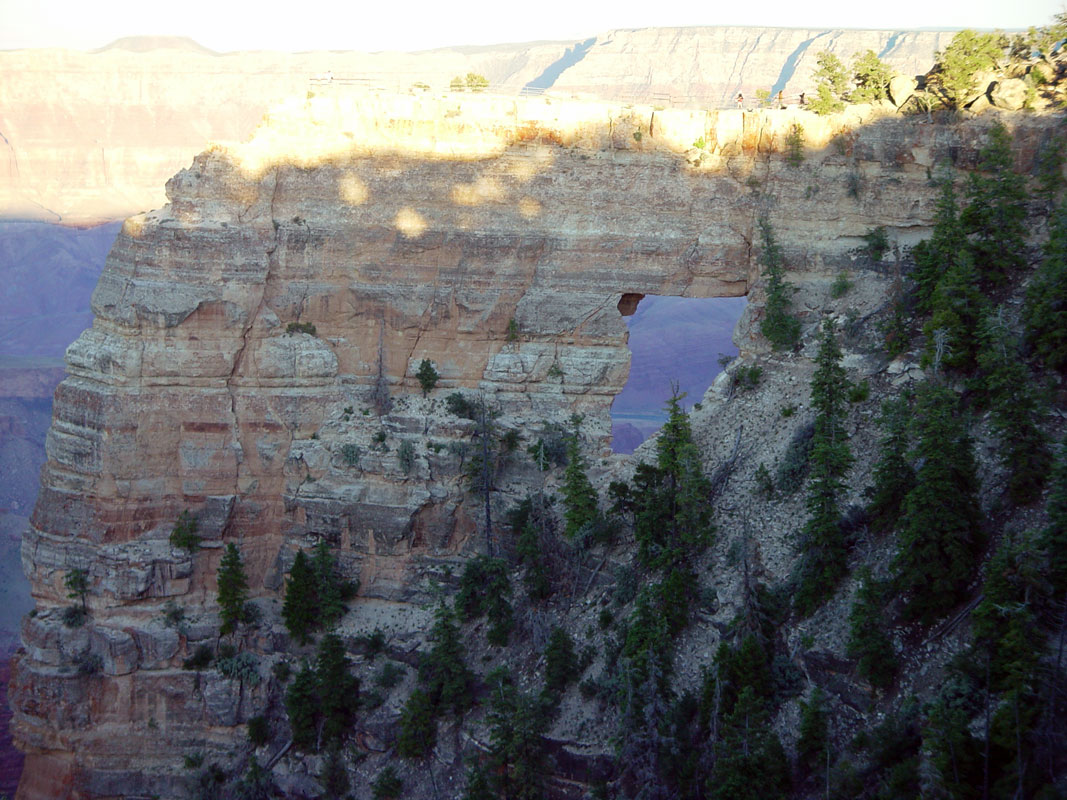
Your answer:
<point x="371" y="25"/>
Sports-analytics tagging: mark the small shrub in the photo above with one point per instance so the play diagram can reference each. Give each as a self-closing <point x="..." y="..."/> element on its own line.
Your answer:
<point x="88" y="663"/>
<point x="390" y="675"/>
<point x="794" y="146"/>
<point x="788" y="411"/>
<point x="74" y="616"/>
<point x="764" y="481"/>
<point x="747" y="377"/>
<point x="638" y="136"/>
<point x="854" y="185"/>
<point x="301" y="327"/>
<point x="605" y="619"/>
<point x="200" y="659"/>
<point x="476" y="82"/>
<point x="555" y="371"/>
<point x="858" y="392"/>
<point x="173" y="615"/>
<point x="350" y="454"/>
<point x="183" y="536"/>
<point x="372" y="643"/>
<point x="700" y="143"/>
<point x="241" y="667"/>
<point x="458" y="405"/>
<point x="406" y="456"/>
<point x="193" y="760"/>
<point x="513" y="330"/>
<point x="839" y="288"/>
<point x="282" y="670"/>
<point x="387" y="786"/>
<point x="877" y="242"/>
<point x="258" y="730"/>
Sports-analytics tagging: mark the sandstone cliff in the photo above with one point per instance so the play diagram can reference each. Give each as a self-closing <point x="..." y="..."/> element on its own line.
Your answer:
<point x="87" y="137"/>
<point x="401" y="228"/>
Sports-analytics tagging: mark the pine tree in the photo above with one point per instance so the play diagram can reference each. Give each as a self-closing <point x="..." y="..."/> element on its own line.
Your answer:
<point x="1054" y="537"/>
<point x="418" y="726"/>
<point x="302" y="706"/>
<point x="780" y="329"/>
<point x="232" y="589"/>
<point x="832" y="84"/>
<point x="893" y="474"/>
<point x="823" y="557"/>
<point x="334" y="776"/>
<point x="751" y="764"/>
<point x="995" y="216"/>
<point x="672" y="515"/>
<point x="579" y="496"/>
<point x="934" y="256"/>
<point x="517" y="757"/>
<point x="1015" y="411"/>
<point x="871" y="76"/>
<point x="813" y="733"/>
<point x="338" y="690"/>
<point x="868" y="641"/>
<point x="957" y="307"/>
<point x="328" y="584"/>
<point x="1045" y="312"/>
<point x="443" y="672"/>
<point x="301" y="603"/>
<point x="940" y="533"/>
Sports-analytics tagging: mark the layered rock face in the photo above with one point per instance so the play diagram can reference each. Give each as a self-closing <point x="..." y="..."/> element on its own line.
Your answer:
<point x="708" y="66"/>
<point x="87" y="137"/>
<point x="500" y="239"/>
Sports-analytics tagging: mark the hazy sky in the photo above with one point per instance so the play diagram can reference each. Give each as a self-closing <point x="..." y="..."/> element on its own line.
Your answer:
<point x="417" y="24"/>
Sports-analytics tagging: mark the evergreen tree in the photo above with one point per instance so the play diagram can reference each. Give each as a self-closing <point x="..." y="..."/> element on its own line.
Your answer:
<point x="1045" y="312"/>
<point x="561" y="662"/>
<point x="485" y="589"/>
<point x="302" y="705"/>
<point x="958" y="307"/>
<point x="940" y="533"/>
<point x="780" y="328"/>
<point x="334" y="776"/>
<point x="672" y="515"/>
<point x="329" y="586"/>
<point x="1054" y="537"/>
<point x="871" y="77"/>
<point x="813" y="734"/>
<point x="418" y="726"/>
<point x="934" y="256"/>
<point x="517" y="757"/>
<point x="443" y="673"/>
<point x="579" y="496"/>
<point x="957" y="65"/>
<point x="300" y="609"/>
<point x="893" y="474"/>
<point x="1015" y="411"/>
<point x="338" y="690"/>
<point x="823" y="557"/>
<point x="868" y="641"/>
<point x="427" y="376"/>
<point x="232" y="589"/>
<point x="995" y="216"/>
<point x="832" y="84"/>
<point x="751" y="764"/>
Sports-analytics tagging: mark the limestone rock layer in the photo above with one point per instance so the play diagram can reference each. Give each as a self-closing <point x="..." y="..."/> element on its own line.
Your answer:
<point x="500" y="239"/>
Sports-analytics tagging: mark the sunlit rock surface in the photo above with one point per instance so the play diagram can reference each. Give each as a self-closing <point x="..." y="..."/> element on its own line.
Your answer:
<point x="498" y="238"/>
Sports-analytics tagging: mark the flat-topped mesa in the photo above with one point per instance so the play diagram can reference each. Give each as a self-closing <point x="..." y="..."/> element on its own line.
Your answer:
<point x="499" y="238"/>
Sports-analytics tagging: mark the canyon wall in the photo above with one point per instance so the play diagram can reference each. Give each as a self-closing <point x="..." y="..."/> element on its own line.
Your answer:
<point x="93" y="136"/>
<point x="500" y="239"/>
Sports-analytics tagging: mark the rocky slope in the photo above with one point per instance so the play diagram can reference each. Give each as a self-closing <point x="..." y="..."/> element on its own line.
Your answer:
<point x="88" y="137"/>
<point x="501" y="239"/>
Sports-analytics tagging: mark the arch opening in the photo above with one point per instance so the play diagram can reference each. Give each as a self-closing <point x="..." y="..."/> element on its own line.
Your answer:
<point x="672" y="340"/>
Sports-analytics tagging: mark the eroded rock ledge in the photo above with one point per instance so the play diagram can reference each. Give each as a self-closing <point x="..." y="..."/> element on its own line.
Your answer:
<point x="402" y="229"/>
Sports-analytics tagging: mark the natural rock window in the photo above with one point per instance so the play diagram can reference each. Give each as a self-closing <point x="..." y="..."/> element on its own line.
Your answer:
<point x="672" y="339"/>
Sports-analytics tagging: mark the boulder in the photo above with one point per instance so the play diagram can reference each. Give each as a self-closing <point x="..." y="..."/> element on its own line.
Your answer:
<point x="901" y="88"/>
<point x="1009" y="94"/>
